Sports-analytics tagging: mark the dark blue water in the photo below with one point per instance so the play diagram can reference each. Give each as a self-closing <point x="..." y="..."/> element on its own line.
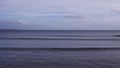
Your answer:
<point x="59" y="49"/>
<point x="59" y="39"/>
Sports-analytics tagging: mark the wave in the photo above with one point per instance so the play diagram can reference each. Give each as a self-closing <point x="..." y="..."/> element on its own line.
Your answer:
<point x="59" y="38"/>
<point x="61" y="35"/>
<point x="65" y="35"/>
<point x="61" y="49"/>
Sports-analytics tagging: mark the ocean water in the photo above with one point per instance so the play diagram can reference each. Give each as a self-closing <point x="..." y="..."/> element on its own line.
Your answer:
<point x="59" y="49"/>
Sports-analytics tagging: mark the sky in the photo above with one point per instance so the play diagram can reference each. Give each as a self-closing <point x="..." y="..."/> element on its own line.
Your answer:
<point x="60" y="14"/>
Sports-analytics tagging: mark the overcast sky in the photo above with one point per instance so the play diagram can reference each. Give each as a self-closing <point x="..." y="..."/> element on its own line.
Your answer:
<point x="60" y="14"/>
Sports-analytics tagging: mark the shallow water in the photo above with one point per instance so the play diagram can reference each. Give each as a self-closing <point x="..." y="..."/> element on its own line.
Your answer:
<point x="60" y="59"/>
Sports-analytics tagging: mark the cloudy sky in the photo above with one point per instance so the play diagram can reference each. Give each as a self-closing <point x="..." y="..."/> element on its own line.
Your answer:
<point x="60" y="14"/>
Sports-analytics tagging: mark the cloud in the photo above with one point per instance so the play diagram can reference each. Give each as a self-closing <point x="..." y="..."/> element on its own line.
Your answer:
<point x="51" y="13"/>
<point x="41" y="13"/>
<point x="83" y="6"/>
<point x="24" y="22"/>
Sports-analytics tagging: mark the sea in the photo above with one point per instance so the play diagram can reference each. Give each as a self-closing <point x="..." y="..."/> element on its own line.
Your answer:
<point x="59" y="48"/>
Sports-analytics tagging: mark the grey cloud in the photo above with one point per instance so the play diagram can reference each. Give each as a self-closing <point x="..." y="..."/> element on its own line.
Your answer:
<point x="73" y="16"/>
<point x="68" y="12"/>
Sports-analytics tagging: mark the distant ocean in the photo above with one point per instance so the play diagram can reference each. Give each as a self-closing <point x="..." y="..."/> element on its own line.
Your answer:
<point x="59" y="48"/>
